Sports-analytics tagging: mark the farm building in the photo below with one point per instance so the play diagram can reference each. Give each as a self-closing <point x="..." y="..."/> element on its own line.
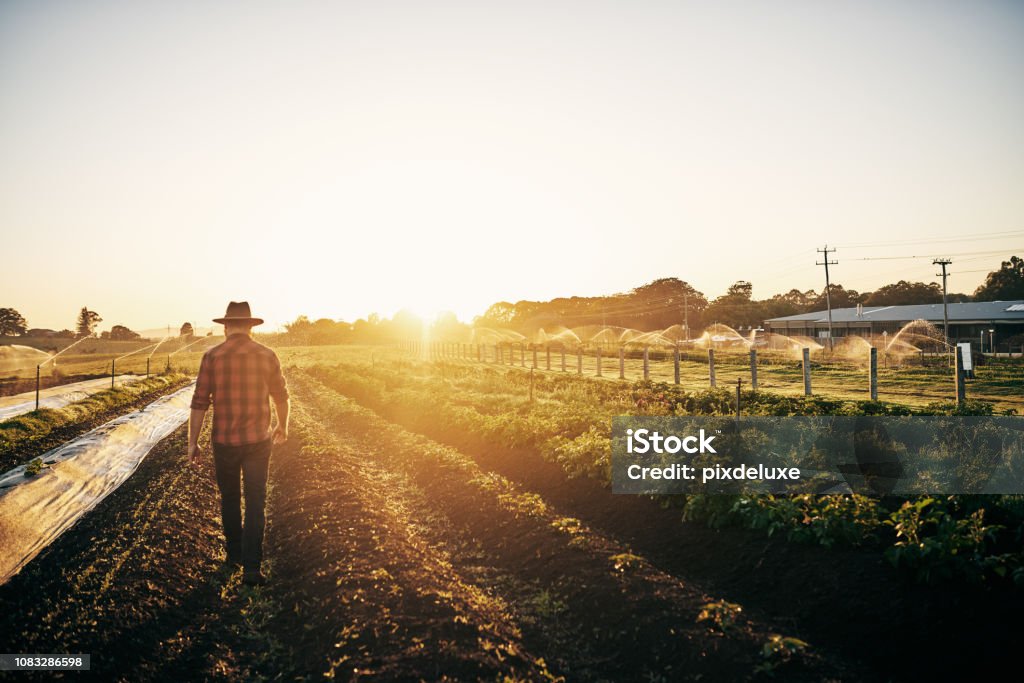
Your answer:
<point x="998" y="321"/>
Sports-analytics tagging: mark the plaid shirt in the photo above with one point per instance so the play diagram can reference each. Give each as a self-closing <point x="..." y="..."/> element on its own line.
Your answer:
<point x="238" y="376"/>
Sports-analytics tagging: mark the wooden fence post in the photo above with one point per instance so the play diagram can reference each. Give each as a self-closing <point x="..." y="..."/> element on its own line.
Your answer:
<point x="961" y="388"/>
<point x="807" y="371"/>
<point x="873" y="373"/>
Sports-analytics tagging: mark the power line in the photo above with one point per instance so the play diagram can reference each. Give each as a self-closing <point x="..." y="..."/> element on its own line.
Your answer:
<point x="988" y="252"/>
<point x="970" y="238"/>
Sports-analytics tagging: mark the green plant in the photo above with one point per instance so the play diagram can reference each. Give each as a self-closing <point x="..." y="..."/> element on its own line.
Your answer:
<point x="778" y="651"/>
<point x="723" y="615"/>
<point x="625" y="562"/>
<point x="34" y="467"/>
<point x="936" y="545"/>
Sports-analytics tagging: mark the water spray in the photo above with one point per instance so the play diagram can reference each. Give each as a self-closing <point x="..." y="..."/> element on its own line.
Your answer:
<point x="54" y="359"/>
<point x="113" y="361"/>
<point x="193" y="343"/>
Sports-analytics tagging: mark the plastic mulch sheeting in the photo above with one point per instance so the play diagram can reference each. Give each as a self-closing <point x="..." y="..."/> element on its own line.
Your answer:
<point x="35" y="510"/>
<point x="56" y="397"/>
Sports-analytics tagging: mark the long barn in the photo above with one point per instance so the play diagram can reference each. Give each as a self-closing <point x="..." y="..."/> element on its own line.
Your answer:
<point x="996" y="321"/>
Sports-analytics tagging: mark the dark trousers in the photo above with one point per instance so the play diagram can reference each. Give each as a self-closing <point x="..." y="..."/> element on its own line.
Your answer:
<point x="250" y="462"/>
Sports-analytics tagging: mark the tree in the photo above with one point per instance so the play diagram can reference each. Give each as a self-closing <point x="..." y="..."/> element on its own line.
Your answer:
<point x="1004" y="284"/>
<point x="840" y="298"/>
<point x="87" y="322"/>
<point x="741" y="290"/>
<point x="736" y="307"/>
<point x="500" y="314"/>
<point x="122" y="333"/>
<point x="186" y="330"/>
<point x="11" y="322"/>
<point x="904" y="293"/>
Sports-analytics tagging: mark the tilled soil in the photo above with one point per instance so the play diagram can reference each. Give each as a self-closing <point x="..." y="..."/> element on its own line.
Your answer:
<point x="848" y="600"/>
<point x="393" y="557"/>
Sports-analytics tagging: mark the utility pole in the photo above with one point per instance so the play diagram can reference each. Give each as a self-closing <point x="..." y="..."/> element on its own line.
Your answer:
<point x="943" y="262"/>
<point x="828" y="288"/>
<point x="686" y="315"/>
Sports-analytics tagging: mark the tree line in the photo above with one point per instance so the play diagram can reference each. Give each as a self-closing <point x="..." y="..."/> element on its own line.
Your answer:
<point x="671" y="301"/>
<point x="655" y="305"/>
<point x="13" y="324"/>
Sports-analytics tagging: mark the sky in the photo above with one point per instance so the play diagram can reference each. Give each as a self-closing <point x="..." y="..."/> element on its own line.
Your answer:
<point x="335" y="159"/>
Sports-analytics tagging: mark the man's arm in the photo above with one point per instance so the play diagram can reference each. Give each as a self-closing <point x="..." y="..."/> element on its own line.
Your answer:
<point x="279" y="392"/>
<point x="195" y="426"/>
<point x="281" y="431"/>
<point x="201" y="400"/>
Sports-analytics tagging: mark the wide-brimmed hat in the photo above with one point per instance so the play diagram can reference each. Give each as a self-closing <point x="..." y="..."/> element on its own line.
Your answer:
<point x="238" y="312"/>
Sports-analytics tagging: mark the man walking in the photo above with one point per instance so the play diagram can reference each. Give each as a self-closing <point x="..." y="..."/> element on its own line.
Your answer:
<point x="239" y="377"/>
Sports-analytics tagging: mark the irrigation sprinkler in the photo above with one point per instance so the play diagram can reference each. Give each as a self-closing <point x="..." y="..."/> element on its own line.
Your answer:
<point x="711" y="368"/>
<point x="579" y="360"/>
<point x="647" y="363"/>
<point x="807" y="371"/>
<point x="622" y="363"/>
<point x="753" y="369"/>
<point x="547" y="354"/>
<point x="112" y="361"/>
<point x="675" y="363"/>
<point x="54" y="359"/>
<point x="534" y="357"/>
<point x="147" y="368"/>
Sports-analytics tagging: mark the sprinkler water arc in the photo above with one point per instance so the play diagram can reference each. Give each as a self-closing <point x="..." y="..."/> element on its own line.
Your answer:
<point x="54" y="359"/>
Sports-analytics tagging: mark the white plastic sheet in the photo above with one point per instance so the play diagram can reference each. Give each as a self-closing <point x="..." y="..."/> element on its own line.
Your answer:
<point x="35" y="510"/>
<point x="56" y="397"/>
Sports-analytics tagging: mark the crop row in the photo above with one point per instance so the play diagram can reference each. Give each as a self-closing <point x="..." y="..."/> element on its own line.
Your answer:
<point x="27" y="433"/>
<point x="568" y="422"/>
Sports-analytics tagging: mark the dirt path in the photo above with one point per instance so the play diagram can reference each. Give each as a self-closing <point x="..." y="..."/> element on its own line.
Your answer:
<point x="355" y="590"/>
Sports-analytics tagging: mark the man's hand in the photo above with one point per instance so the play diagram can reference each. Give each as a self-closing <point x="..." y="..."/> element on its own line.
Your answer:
<point x="195" y="455"/>
<point x="280" y="434"/>
<point x="195" y="426"/>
